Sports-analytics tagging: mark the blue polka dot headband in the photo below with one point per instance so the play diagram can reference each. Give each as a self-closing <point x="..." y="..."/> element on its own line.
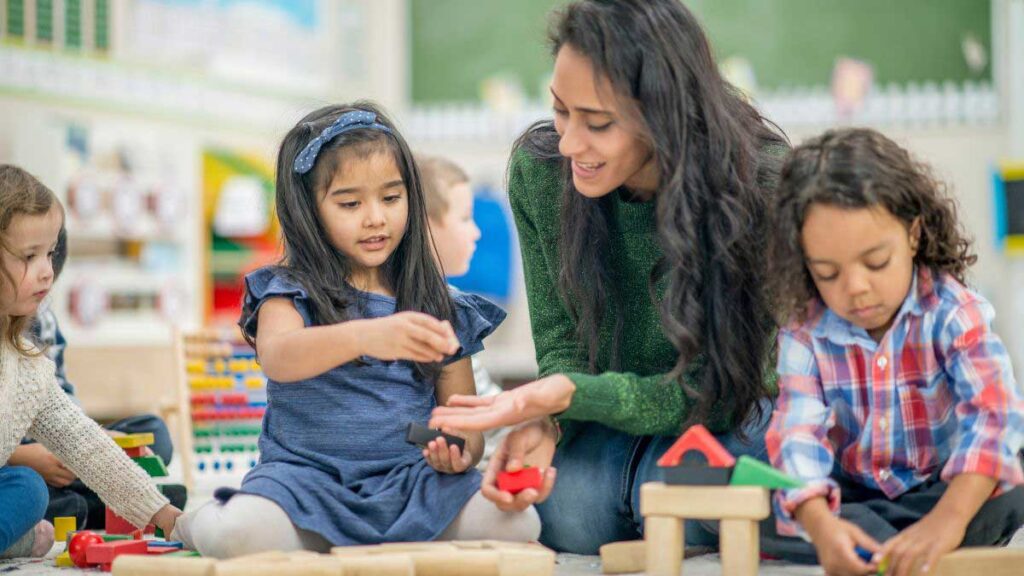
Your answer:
<point x="346" y="122"/>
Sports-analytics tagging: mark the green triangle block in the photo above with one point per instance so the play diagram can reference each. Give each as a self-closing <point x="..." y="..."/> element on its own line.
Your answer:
<point x="182" y="554"/>
<point x="152" y="464"/>
<point x="752" y="472"/>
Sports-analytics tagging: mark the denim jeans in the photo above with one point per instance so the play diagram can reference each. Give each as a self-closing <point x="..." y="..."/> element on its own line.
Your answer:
<point x="22" y="503"/>
<point x="78" y="500"/>
<point x="596" y="499"/>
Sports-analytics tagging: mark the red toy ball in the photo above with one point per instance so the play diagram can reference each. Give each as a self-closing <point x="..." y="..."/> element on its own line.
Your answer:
<point x="79" y="543"/>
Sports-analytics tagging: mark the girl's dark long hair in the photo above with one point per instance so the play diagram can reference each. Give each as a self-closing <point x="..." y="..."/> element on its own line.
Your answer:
<point x="711" y="210"/>
<point x="323" y="270"/>
<point x="859" y="168"/>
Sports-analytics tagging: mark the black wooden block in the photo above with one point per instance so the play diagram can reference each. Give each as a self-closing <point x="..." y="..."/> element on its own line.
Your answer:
<point x="697" y="475"/>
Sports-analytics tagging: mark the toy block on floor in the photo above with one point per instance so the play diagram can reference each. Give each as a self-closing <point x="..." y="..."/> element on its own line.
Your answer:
<point x="153" y="465"/>
<point x="106" y="552"/>
<point x="665" y="508"/>
<point x="117" y="525"/>
<point x="516" y="482"/>
<point x="697" y="475"/>
<point x="62" y="525"/>
<point x="467" y="557"/>
<point x="81" y="542"/>
<point x="63" y="560"/>
<point x="987" y="561"/>
<point x="135" y="440"/>
<point x="751" y="472"/>
<point x="623" y="557"/>
<point x="163" y="566"/>
<point x="697" y="438"/>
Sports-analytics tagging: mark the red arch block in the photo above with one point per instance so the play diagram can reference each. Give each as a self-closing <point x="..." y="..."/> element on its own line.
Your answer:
<point x="698" y="438"/>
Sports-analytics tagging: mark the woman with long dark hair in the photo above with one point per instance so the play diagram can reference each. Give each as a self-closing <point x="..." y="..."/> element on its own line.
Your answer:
<point x="642" y="213"/>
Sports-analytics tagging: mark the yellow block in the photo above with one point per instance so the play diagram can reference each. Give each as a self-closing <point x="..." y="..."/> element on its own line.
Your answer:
<point x="62" y="525"/>
<point x="64" y="560"/>
<point x="134" y="440"/>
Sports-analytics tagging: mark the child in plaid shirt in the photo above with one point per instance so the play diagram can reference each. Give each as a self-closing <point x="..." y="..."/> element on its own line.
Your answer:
<point x="895" y="393"/>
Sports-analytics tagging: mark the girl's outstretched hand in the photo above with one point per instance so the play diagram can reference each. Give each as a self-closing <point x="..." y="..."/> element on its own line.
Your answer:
<point x="531" y="443"/>
<point x="549" y="395"/>
<point x="447" y="458"/>
<point x="409" y="336"/>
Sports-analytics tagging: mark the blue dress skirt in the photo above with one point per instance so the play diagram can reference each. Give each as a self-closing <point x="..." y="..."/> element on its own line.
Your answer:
<point x="332" y="450"/>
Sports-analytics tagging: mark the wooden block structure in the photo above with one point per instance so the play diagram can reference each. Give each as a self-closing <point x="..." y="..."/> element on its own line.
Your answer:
<point x="986" y="561"/>
<point x="665" y="507"/>
<point x="152" y="464"/>
<point x="471" y="558"/>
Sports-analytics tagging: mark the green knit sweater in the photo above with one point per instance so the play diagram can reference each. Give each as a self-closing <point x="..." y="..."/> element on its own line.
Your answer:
<point x="638" y="399"/>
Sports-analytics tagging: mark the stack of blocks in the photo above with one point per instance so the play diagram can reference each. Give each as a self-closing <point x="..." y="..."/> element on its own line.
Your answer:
<point x="134" y="445"/>
<point x="704" y="482"/>
<point x="87" y="549"/>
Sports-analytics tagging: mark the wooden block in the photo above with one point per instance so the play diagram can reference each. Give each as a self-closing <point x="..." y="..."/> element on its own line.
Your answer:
<point x="117" y="525"/>
<point x="377" y="565"/>
<point x="63" y="560"/>
<point x="106" y="552"/>
<point x="62" y="525"/>
<point x="664" y="538"/>
<point x="623" y="557"/>
<point x="315" y="565"/>
<point x="704" y="502"/>
<point x="394" y="548"/>
<point x="697" y="476"/>
<point x="163" y="566"/>
<point x="135" y="440"/>
<point x="740" y="547"/>
<point x="987" y="561"/>
<point x="534" y="560"/>
<point x="135" y="452"/>
<point x="461" y="563"/>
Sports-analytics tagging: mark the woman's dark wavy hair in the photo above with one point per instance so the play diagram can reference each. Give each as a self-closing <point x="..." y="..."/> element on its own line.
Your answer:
<point x="323" y="270"/>
<point x="711" y="204"/>
<point x="859" y="168"/>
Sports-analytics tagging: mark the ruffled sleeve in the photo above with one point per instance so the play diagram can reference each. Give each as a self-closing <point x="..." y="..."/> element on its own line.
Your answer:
<point x="476" y="318"/>
<point x="271" y="282"/>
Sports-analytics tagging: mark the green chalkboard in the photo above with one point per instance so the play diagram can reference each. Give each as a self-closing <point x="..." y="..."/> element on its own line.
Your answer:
<point x="456" y="44"/>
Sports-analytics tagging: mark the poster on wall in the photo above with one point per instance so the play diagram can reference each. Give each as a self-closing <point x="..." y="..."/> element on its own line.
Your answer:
<point x="240" y="227"/>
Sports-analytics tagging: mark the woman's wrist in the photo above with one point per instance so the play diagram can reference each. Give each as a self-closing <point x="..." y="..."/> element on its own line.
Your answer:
<point x="560" y="390"/>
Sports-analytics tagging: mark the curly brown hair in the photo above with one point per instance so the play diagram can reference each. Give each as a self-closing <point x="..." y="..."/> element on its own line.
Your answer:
<point x="859" y="168"/>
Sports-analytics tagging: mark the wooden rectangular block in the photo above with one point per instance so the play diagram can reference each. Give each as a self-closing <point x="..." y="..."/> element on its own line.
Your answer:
<point x="377" y="565"/>
<point x="704" y="502"/>
<point x="664" y="536"/>
<point x="985" y="561"/>
<point x="163" y="566"/>
<point x="624" y="557"/>
<point x="740" y="547"/>
<point x="135" y="440"/>
<point x="106" y="552"/>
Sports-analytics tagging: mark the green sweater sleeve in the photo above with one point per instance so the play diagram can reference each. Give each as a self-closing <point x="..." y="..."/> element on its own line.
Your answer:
<point x="627" y="402"/>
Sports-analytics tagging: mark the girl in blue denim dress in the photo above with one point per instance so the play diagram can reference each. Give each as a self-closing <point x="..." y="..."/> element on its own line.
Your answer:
<point x="359" y="336"/>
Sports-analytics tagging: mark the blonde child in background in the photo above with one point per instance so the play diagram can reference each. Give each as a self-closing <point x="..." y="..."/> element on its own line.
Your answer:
<point x="31" y="401"/>
<point x="449" y="200"/>
<point x="359" y="336"/>
<point x="898" y="407"/>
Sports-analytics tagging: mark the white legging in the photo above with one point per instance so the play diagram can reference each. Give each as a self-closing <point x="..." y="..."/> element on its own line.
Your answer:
<point x="248" y="524"/>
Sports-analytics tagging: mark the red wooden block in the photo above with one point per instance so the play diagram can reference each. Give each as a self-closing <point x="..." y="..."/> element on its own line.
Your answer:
<point x="698" y="438"/>
<point x="159" y="550"/>
<point x="106" y="552"/>
<point x="515" y="482"/>
<point x="135" y="452"/>
<point x="118" y="525"/>
<point x="79" y="543"/>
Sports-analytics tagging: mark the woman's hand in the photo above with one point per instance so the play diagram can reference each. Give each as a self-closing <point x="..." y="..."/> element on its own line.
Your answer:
<point x="531" y="443"/>
<point x="447" y="458"/>
<point x="543" y="397"/>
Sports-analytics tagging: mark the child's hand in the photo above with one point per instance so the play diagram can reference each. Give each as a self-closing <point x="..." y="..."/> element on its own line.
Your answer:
<point x="836" y="541"/>
<point x="38" y="458"/>
<point x="445" y="458"/>
<point x="165" y="518"/>
<point x="920" y="546"/>
<point x="409" y="336"/>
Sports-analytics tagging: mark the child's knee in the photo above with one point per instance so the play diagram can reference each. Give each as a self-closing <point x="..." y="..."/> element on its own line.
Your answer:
<point x="31" y="490"/>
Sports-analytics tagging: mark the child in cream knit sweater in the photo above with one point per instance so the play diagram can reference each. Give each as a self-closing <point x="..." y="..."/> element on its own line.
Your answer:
<point x="31" y="402"/>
